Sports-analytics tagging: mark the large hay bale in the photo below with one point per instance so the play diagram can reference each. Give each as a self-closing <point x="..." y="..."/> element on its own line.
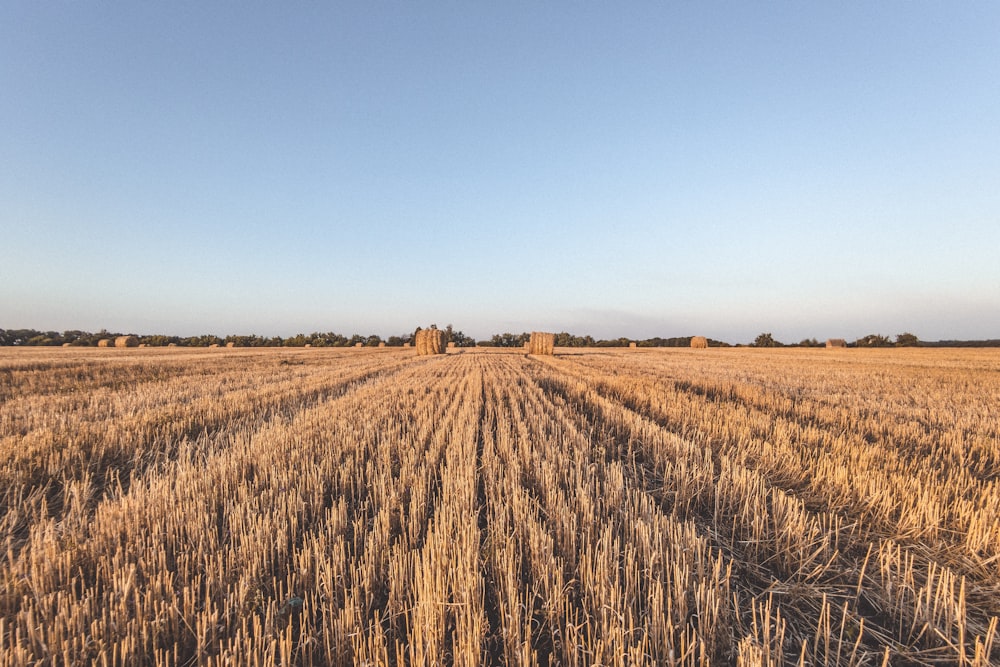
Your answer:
<point x="633" y="345"/>
<point x="430" y="341"/>
<point x="541" y="343"/>
<point x="105" y="342"/>
<point x="699" y="342"/>
<point x="381" y="344"/>
<point x="230" y="344"/>
<point x="451" y="345"/>
<point x="836" y="342"/>
<point x="126" y="341"/>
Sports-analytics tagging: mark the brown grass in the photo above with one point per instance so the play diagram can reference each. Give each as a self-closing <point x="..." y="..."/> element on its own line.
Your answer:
<point x="752" y="507"/>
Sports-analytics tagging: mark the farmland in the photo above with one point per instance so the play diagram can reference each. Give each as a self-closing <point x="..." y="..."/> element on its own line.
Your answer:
<point x="614" y="507"/>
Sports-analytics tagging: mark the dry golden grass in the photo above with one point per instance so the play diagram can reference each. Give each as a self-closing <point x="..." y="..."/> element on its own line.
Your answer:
<point x="252" y="507"/>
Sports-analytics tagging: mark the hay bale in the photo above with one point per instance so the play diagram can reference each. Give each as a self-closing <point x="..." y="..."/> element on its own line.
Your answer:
<point x="451" y="345"/>
<point x="633" y="345"/>
<point x="406" y="345"/>
<point x="541" y="343"/>
<point x="359" y="345"/>
<point x="67" y="344"/>
<point x="699" y="342"/>
<point x="171" y="344"/>
<point x="835" y="342"/>
<point x="126" y="341"/>
<point x="214" y="345"/>
<point x="308" y="345"/>
<point x="430" y="341"/>
<point x="381" y="344"/>
<point x="143" y="345"/>
<point x="230" y="344"/>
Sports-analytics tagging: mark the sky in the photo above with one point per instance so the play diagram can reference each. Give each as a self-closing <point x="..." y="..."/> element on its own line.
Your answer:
<point x="655" y="169"/>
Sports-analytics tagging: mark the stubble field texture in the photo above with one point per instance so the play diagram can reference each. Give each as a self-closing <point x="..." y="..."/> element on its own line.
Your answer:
<point x="489" y="507"/>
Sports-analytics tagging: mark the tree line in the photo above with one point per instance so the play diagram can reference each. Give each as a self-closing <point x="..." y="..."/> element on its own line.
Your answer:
<point x="32" y="337"/>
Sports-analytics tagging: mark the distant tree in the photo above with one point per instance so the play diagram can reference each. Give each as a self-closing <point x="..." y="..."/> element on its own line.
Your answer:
<point x="510" y="340"/>
<point x="907" y="340"/>
<point x="765" y="340"/>
<point x="873" y="340"/>
<point x="458" y="338"/>
<point x="809" y="342"/>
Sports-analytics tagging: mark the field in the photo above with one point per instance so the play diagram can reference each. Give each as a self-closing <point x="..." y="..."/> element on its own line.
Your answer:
<point x="613" y="507"/>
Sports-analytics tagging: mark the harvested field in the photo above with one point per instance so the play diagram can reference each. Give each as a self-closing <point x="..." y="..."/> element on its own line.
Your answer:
<point x="281" y="506"/>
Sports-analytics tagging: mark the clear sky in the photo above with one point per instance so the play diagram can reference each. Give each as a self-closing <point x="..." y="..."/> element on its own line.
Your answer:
<point x="655" y="169"/>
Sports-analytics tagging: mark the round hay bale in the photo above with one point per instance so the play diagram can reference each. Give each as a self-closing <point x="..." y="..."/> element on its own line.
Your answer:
<point x="406" y="345"/>
<point x="633" y="345"/>
<point x="699" y="342"/>
<point x="835" y="343"/>
<point x="541" y="343"/>
<point x="230" y="344"/>
<point x="381" y="344"/>
<point x="430" y="341"/>
<point x="104" y="342"/>
<point x="66" y="344"/>
<point x="126" y="341"/>
<point x="359" y="345"/>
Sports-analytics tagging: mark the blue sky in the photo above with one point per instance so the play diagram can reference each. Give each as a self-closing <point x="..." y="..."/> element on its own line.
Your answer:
<point x="662" y="169"/>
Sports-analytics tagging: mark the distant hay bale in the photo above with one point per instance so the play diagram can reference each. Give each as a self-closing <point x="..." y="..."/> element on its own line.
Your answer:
<point x="104" y="342"/>
<point x="308" y="345"/>
<point x="359" y="345"/>
<point x="451" y="345"/>
<point x="633" y="345"/>
<point x="406" y="345"/>
<point x="143" y="345"/>
<point x="172" y="345"/>
<point x="699" y="342"/>
<point x="214" y="345"/>
<point x="836" y="342"/>
<point x="67" y="344"/>
<point x="126" y="341"/>
<point x="541" y="343"/>
<point x="430" y="341"/>
<point x="230" y="344"/>
<point x="381" y="344"/>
